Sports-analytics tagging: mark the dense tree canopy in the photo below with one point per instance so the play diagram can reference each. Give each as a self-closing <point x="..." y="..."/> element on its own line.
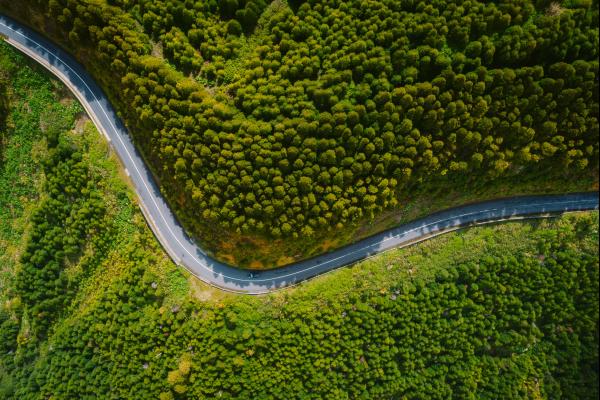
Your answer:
<point x="512" y="326"/>
<point x="332" y="110"/>
<point x="505" y="312"/>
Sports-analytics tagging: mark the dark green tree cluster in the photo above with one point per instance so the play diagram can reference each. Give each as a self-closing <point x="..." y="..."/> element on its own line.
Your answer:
<point x="68" y="227"/>
<point x="342" y="106"/>
<point x="194" y="31"/>
<point x="503" y="326"/>
<point x="62" y="225"/>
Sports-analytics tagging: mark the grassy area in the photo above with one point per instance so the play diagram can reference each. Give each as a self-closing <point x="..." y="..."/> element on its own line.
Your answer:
<point x="34" y="105"/>
<point x="426" y="259"/>
<point x="430" y="200"/>
<point x="40" y="108"/>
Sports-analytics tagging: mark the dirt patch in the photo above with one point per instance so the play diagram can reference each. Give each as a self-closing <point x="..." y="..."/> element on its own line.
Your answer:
<point x="227" y="245"/>
<point x="256" y="264"/>
<point x="199" y="291"/>
<point x="227" y="258"/>
<point x="555" y="9"/>
<point x="66" y="100"/>
<point x="329" y="244"/>
<point x="157" y="50"/>
<point x="80" y="123"/>
<point x="204" y="292"/>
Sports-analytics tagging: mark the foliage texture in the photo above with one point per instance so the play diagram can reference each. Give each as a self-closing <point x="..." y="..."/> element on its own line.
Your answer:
<point x="503" y="312"/>
<point x="286" y="120"/>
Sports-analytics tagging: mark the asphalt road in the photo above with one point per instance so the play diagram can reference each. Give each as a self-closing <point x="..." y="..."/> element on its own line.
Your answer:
<point x="187" y="254"/>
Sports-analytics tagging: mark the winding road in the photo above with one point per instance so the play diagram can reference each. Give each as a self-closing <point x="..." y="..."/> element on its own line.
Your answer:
<point x="186" y="253"/>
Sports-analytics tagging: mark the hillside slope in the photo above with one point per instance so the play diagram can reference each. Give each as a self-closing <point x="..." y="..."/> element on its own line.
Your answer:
<point x="270" y="126"/>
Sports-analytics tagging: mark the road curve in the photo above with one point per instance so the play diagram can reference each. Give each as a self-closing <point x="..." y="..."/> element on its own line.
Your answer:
<point x="186" y="253"/>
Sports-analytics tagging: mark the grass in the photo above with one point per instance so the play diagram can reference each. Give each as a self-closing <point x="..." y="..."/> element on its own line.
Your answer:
<point x="431" y="200"/>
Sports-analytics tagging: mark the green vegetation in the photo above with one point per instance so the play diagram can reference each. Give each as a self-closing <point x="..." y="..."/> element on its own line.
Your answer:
<point x="506" y="311"/>
<point x="269" y="125"/>
<point x="68" y="226"/>
<point x="90" y="307"/>
<point x="20" y="167"/>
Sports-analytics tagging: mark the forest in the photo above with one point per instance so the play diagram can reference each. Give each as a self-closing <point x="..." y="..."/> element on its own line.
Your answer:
<point x="67" y="220"/>
<point x="282" y="121"/>
<point x="90" y="307"/>
<point x="500" y="326"/>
